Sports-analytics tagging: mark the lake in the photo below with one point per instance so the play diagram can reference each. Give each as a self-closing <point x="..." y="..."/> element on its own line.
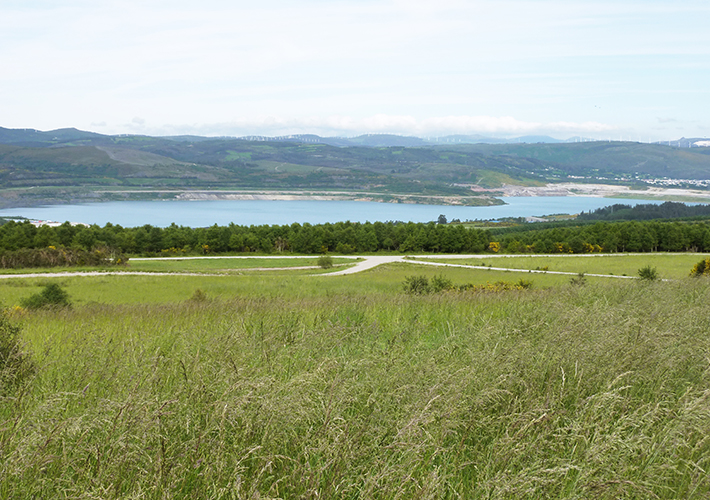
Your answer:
<point x="258" y="212"/>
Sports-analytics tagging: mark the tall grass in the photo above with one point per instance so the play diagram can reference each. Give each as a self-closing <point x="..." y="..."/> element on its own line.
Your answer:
<point x="600" y="391"/>
<point x="669" y="265"/>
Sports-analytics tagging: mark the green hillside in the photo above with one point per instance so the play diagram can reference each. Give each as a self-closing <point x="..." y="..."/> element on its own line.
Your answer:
<point x="606" y="158"/>
<point x="84" y="162"/>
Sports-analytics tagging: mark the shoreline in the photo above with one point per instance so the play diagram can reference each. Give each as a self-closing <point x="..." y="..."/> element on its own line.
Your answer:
<point x="488" y="200"/>
<point x="17" y="200"/>
<point x="611" y="191"/>
<point x="570" y="189"/>
<point x="482" y="197"/>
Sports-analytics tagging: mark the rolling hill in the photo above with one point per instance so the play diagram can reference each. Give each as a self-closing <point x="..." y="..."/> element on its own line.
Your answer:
<point x="71" y="163"/>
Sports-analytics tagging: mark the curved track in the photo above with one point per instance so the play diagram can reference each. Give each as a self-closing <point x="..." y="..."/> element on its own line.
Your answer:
<point x="366" y="262"/>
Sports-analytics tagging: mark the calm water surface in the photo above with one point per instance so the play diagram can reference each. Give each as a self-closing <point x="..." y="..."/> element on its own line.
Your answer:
<point x="257" y="212"/>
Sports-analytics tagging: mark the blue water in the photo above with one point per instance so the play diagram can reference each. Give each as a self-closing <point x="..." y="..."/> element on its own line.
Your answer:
<point x="258" y="212"/>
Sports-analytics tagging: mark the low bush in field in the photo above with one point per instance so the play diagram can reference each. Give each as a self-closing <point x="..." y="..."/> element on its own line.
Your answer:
<point x="198" y="295"/>
<point x="648" y="273"/>
<point x="440" y="283"/>
<point x="578" y="280"/>
<point x="498" y="286"/>
<point x="416" y="285"/>
<point x="51" y="296"/>
<point x="421" y="285"/>
<point x="702" y="268"/>
<point x="325" y="261"/>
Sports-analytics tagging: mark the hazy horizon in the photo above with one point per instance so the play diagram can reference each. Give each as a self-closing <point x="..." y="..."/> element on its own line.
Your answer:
<point x="430" y="139"/>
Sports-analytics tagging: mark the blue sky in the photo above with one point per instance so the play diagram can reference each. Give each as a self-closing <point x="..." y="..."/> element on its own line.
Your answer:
<point x="637" y="70"/>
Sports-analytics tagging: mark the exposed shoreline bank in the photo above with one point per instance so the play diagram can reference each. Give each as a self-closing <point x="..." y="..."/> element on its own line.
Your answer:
<point x="607" y="191"/>
<point x="483" y="197"/>
<point x="29" y="198"/>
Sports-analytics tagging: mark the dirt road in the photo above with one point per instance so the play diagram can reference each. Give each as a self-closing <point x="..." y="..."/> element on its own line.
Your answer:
<point x="366" y="262"/>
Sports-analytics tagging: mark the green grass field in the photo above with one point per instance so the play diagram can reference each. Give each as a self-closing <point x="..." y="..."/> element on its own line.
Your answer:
<point x="127" y="289"/>
<point x="669" y="266"/>
<point x="226" y="265"/>
<point x="286" y="385"/>
<point x="189" y="265"/>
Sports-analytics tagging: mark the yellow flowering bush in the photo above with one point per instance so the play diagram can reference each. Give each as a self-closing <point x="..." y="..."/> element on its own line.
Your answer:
<point x="702" y="268"/>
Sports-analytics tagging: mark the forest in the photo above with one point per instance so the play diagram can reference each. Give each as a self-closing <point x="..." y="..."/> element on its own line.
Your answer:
<point x="646" y="211"/>
<point x="352" y="238"/>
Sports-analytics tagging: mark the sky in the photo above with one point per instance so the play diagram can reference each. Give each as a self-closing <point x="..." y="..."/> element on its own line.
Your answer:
<point x="622" y="69"/>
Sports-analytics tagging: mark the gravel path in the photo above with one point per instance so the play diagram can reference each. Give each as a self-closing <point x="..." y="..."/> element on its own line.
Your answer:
<point x="367" y="262"/>
<point x="370" y="262"/>
<point x="568" y="273"/>
<point x="149" y="273"/>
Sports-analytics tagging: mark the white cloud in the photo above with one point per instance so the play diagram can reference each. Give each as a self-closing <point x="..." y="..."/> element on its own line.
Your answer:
<point x="337" y="125"/>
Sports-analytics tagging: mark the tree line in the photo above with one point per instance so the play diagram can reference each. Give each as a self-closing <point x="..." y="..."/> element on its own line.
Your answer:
<point x="646" y="211"/>
<point x="627" y="236"/>
<point x="354" y="237"/>
<point x="341" y="237"/>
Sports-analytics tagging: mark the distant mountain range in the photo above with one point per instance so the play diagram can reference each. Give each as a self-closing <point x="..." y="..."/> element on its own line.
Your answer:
<point x="56" y="166"/>
<point x="37" y="138"/>
<point x="392" y="140"/>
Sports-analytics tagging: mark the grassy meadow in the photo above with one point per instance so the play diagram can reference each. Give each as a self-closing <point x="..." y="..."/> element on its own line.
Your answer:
<point x="227" y="264"/>
<point x="213" y="265"/>
<point x="282" y="384"/>
<point x="669" y="265"/>
<point x="129" y="289"/>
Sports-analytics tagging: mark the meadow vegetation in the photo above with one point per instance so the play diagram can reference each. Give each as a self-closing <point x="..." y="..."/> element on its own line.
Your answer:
<point x="294" y="386"/>
<point x="668" y="266"/>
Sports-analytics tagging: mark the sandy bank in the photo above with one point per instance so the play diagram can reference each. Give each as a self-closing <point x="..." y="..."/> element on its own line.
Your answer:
<point x="474" y="200"/>
<point x="605" y="191"/>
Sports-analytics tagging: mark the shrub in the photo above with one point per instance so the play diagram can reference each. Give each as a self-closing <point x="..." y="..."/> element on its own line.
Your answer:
<point x="16" y="366"/>
<point x="325" y="261"/>
<point x="578" y="280"/>
<point x="51" y="296"/>
<point x="440" y="283"/>
<point x="198" y="295"/>
<point x="498" y="286"/>
<point x="702" y="268"/>
<point x="648" y="273"/>
<point x="416" y="285"/>
<point x="421" y="285"/>
<point x="523" y="284"/>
